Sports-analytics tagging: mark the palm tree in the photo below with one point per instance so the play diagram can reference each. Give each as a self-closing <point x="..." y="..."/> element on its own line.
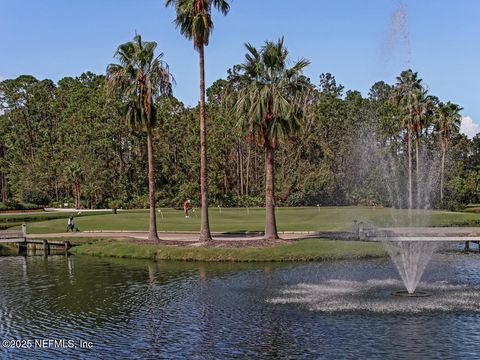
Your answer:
<point x="407" y="84"/>
<point x="269" y="104"/>
<point x="448" y="122"/>
<point x="75" y="174"/>
<point x="423" y="106"/>
<point x="193" y="18"/>
<point x="139" y="78"/>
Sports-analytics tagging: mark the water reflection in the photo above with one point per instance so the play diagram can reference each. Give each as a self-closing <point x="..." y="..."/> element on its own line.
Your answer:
<point x="141" y="309"/>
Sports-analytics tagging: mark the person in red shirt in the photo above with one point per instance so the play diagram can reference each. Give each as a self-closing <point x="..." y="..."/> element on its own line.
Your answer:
<point x="186" y="207"/>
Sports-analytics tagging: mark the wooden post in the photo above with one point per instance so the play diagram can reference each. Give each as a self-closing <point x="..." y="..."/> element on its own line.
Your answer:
<point x="67" y="246"/>
<point x="356" y="229"/>
<point x="46" y="246"/>
<point x="361" y="232"/>
<point x="24" y="231"/>
<point x="22" y="248"/>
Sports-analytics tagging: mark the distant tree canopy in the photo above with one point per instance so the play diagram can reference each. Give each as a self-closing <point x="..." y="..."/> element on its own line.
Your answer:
<point x="349" y="149"/>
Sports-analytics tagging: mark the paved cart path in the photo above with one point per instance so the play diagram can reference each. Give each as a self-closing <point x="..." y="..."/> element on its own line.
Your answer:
<point x="436" y="232"/>
<point x="175" y="236"/>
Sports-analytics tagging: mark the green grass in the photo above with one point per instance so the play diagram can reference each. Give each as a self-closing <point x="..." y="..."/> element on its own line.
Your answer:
<point x="15" y="220"/>
<point x="303" y="250"/>
<point x="243" y="220"/>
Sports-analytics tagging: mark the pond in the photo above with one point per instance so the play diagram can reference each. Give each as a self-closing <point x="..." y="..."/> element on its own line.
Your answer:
<point x="87" y="308"/>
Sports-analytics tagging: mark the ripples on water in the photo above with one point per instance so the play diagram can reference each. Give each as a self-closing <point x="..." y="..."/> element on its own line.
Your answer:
<point x="137" y="309"/>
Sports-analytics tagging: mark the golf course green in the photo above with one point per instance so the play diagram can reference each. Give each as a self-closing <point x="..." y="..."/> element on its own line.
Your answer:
<point x="238" y="220"/>
<point x="252" y="219"/>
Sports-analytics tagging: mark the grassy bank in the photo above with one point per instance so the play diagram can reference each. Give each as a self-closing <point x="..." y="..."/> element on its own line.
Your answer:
<point x="303" y="250"/>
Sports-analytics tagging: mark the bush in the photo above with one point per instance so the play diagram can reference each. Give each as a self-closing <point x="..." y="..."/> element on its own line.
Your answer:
<point x="138" y="202"/>
<point x="454" y="205"/>
<point x="13" y="204"/>
<point x="365" y="196"/>
<point x="114" y="205"/>
<point x="27" y="206"/>
<point x="234" y="200"/>
<point x="296" y="199"/>
<point x="251" y="201"/>
<point x="36" y="196"/>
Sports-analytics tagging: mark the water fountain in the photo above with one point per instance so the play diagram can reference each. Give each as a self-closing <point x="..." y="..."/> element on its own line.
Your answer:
<point x="411" y="242"/>
<point x="411" y="249"/>
<point x="411" y="259"/>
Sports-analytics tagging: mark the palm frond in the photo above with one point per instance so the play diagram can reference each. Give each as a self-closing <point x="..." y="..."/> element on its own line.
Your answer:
<point x="138" y="79"/>
<point x="193" y="18"/>
<point x="271" y="96"/>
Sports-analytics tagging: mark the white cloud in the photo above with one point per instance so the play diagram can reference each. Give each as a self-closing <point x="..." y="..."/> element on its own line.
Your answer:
<point x="469" y="127"/>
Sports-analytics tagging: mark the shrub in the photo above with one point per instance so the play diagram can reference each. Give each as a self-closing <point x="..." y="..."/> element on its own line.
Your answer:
<point x="13" y="204"/>
<point x="138" y="202"/>
<point x="36" y="196"/>
<point x="114" y="205"/>
<point x="454" y="205"/>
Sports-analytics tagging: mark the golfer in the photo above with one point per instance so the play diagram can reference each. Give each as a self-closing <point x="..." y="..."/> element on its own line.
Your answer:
<point x="186" y="207"/>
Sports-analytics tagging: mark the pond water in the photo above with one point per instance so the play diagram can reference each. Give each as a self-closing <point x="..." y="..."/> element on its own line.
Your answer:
<point x="138" y="309"/>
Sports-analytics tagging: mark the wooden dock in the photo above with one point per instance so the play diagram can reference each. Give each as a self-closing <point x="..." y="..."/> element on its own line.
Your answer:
<point x="19" y="237"/>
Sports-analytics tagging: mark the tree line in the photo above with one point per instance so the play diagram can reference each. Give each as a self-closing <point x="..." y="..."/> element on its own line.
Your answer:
<point x="54" y="134"/>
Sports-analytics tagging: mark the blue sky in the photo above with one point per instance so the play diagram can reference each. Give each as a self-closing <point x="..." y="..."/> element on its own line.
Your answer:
<point x="355" y="40"/>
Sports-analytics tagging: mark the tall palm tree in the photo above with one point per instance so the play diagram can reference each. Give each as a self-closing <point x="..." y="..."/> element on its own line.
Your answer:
<point x="139" y="78"/>
<point x="423" y="106"/>
<point x="269" y="105"/>
<point x="448" y="122"/>
<point x="193" y="18"/>
<point x="407" y="84"/>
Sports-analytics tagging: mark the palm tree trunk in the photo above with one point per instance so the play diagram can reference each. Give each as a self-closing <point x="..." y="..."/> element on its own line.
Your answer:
<point x="205" y="234"/>
<point x="74" y="192"/>
<point x="255" y="165"/>
<point x="240" y="155"/>
<point x="409" y="151"/>
<point x="442" y="172"/>
<point x="152" y="230"/>
<point x="417" y="164"/>
<point x="247" y="179"/>
<point x="78" y="195"/>
<point x="270" y="222"/>
<point x="239" y="184"/>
